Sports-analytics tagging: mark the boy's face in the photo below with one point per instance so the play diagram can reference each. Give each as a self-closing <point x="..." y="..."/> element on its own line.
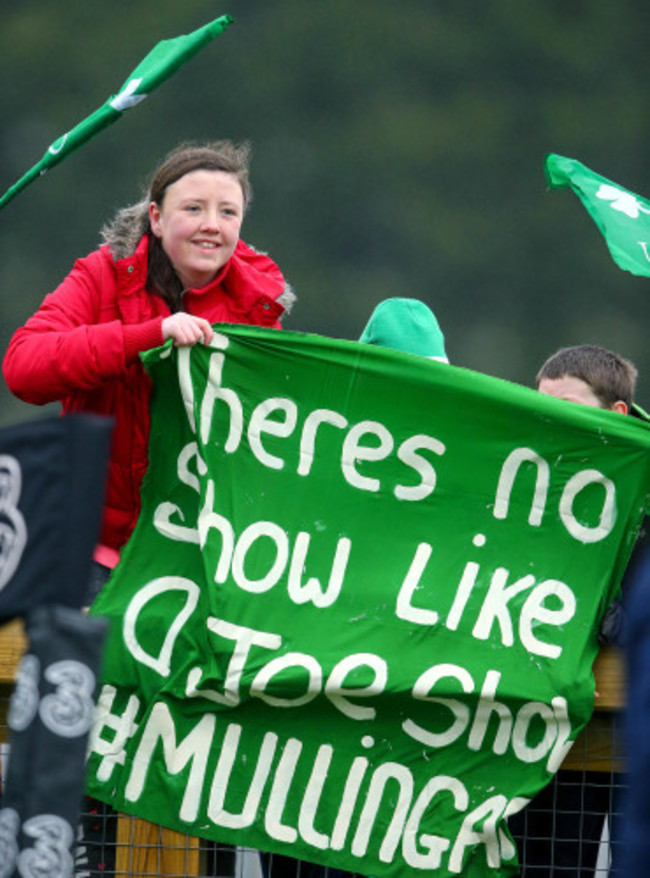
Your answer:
<point x="570" y="388"/>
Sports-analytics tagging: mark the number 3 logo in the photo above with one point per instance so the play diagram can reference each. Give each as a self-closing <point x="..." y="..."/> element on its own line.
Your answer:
<point x="68" y="711"/>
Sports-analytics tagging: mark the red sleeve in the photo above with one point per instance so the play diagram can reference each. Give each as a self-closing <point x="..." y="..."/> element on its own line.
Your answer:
<point x="71" y="343"/>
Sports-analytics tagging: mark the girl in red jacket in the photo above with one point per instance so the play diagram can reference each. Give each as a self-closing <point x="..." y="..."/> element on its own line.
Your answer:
<point x="169" y="267"/>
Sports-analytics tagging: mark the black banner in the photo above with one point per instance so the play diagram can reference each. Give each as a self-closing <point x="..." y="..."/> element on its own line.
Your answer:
<point x="52" y="481"/>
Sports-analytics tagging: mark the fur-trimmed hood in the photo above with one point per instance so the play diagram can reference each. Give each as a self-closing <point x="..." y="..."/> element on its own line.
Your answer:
<point x="125" y="230"/>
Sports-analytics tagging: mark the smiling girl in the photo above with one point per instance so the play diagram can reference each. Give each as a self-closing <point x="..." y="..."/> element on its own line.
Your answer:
<point x="169" y="267"/>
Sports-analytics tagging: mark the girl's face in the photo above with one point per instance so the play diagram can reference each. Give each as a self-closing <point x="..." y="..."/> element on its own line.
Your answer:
<point x="198" y="224"/>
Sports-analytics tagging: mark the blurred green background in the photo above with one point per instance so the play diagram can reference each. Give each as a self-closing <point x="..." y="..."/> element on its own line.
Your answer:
<point x="398" y="151"/>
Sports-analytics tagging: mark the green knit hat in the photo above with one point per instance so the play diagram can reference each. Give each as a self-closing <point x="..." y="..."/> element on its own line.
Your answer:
<point x="406" y="325"/>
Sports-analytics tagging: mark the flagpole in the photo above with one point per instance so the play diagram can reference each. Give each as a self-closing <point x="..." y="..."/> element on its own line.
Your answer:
<point x="162" y="62"/>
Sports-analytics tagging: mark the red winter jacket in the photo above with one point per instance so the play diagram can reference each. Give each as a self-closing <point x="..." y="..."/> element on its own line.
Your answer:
<point x="82" y="346"/>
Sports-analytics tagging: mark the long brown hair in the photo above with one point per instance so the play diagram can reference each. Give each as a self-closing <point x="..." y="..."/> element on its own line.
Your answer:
<point x="220" y="155"/>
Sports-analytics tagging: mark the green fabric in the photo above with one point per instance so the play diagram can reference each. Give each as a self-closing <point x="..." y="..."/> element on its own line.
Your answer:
<point x="350" y="626"/>
<point x="163" y="61"/>
<point x="406" y="325"/>
<point x="622" y="217"/>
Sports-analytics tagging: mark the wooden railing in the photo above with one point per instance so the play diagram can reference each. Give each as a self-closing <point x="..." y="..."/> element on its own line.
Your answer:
<point x="145" y="848"/>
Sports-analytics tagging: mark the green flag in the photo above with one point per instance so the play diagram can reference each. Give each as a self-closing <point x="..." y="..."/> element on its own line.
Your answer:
<point x="622" y="216"/>
<point x="348" y="626"/>
<point x="163" y="60"/>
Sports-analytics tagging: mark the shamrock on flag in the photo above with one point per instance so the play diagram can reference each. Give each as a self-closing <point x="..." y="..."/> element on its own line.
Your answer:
<point x="624" y="201"/>
<point x="622" y="217"/>
<point x="163" y="60"/>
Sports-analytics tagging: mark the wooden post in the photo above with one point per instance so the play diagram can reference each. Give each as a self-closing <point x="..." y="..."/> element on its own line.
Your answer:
<point x="145" y="848"/>
<point x="12" y="647"/>
<point x="596" y="748"/>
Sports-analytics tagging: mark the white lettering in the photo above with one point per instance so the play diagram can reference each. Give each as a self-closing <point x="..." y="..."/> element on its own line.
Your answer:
<point x="353" y="783"/>
<point x="339" y="695"/>
<point x="465" y="586"/>
<point x="276" y="666"/>
<point x="260" y="423"/>
<point x="509" y="471"/>
<point x="382" y="775"/>
<point x="160" y="663"/>
<point x="245" y="639"/>
<point x="495" y="605"/>
<point x="484" y="816"/>
<point x="214" y="392"/>
<point x="312" y="591"/>
<point x="526" y="715"/>
<point x="308" y="437"/>
<point x="216" y="806"/>
<point x="404" y="609"/>
<point x="353" y="452"/>
<point x="562" y="743"/>
<point x="254" y="532"/>
<point x="487" y="707"/>
<point x="407" y="453"/>
<point x="435" y="845"/>
<point x="194" y="748"/>
<point x="460" y="712"/>
<point x="279" y="791"/>
<point x="208" y="520"/>
<point x="573" y="487"/>
<point x="312" y="797"/>
<point x="533" y="612"/>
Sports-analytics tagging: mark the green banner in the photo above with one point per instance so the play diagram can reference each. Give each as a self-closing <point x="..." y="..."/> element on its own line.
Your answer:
<point x="622" y="217"/>
<point x="357" y="618"/>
